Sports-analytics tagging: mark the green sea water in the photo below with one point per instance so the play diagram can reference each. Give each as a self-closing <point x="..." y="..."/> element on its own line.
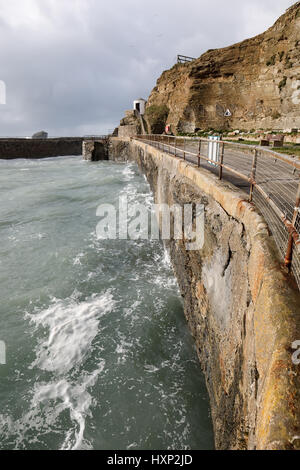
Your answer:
<point x="98" y="354"/>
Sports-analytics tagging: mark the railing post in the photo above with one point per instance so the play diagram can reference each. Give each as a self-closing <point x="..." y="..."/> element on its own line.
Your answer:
<point x="289" y="252"/>
<point x="253" y="174"/>
<point x="199" y="153"/>
<point x="175" y="148"/>
<point x="184" y="148"/>
<point x="221" y="162"/>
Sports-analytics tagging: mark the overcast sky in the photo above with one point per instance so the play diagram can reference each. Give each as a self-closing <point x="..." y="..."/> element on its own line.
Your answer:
<point x="72" y="67"/>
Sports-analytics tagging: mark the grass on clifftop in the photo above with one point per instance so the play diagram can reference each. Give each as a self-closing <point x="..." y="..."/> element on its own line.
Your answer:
<point x="288" y="149"/>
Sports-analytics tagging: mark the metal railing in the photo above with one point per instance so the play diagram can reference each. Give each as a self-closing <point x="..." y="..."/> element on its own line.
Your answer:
<point x="96" y="137"/>
<point x="183" y="59"/>
<point x="272" y="180"/>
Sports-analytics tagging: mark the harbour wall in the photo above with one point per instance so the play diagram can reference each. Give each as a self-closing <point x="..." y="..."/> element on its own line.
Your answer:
<point x="13" y="148"/>
<point x="241" y="305"/>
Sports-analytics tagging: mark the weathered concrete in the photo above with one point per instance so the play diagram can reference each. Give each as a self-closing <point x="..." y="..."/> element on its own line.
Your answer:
<point x="39" y="148"/>
<point x="241" y="306"/>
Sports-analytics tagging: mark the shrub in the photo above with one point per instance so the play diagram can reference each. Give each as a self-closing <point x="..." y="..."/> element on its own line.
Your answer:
<point x="288" y="62"/>
<point x="282" y="83"/>
<point x="271" y="61"/>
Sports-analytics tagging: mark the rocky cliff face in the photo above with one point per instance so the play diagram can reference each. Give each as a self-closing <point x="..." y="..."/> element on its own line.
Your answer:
<point x="257" y="81"/>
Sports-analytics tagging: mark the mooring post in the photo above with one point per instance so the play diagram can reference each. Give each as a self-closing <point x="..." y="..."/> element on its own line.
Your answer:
<point x="221" y="162"/>
<point x="253" y="174"/>
<point x="289" y="252"/>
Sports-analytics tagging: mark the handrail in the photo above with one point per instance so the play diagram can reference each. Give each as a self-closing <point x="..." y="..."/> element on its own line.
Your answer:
<point x="273" y="187"/>
<point x="273" y="153"/>
<point x="182" y="59"/>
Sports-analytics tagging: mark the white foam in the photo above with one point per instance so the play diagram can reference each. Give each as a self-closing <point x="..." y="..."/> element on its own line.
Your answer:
<point x="128" y="172"/>
<point x="75" y="398"/>
<point x="151" y="369"/>
<point x="77" y="259"/>
<point x="72" y="326"/>
<point x="49" y="400"/>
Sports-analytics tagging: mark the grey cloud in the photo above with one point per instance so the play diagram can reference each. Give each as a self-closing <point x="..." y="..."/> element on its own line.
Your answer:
<point x="73" y="67"/>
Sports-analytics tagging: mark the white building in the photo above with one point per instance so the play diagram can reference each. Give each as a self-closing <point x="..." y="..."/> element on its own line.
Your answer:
<point x="140" y="105"/>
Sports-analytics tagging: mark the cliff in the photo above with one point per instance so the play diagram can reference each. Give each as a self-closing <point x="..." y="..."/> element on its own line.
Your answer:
<point x="257" y="80"/>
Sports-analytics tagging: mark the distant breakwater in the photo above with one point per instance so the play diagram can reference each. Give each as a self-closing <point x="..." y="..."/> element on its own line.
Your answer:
<point x="12" y="148"/>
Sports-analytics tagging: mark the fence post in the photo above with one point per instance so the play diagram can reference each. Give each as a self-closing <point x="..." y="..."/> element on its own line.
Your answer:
<point x="184" y="148"/>
<point x="175" y="147"/>
<point x="253" y="174"/>
<point x="199" y="153"/>
<point x="221" y="162"/>
<point x="289" y="252"/>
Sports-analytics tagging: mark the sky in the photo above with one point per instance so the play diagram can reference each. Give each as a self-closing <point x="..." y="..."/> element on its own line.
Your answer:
<point x="72" y="67"/>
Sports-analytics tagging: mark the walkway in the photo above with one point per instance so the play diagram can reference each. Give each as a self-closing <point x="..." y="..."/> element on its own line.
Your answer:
<point x="269" y="179"/>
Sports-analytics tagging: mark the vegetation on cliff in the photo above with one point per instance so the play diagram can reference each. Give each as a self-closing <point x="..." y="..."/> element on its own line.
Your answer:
<point x="156" y="117"/>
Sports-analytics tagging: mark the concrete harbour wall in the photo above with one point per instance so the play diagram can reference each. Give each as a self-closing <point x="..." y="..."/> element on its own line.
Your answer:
<point x="242" y="307"/>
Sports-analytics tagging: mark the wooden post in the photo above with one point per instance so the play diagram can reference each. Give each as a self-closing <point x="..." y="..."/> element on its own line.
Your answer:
<point x="289" y="252"/>
<point x="221" y="162"/>
<point x="253" y="174"/>
<point x="184" y="148"/>
<point x="175" y="147"/>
